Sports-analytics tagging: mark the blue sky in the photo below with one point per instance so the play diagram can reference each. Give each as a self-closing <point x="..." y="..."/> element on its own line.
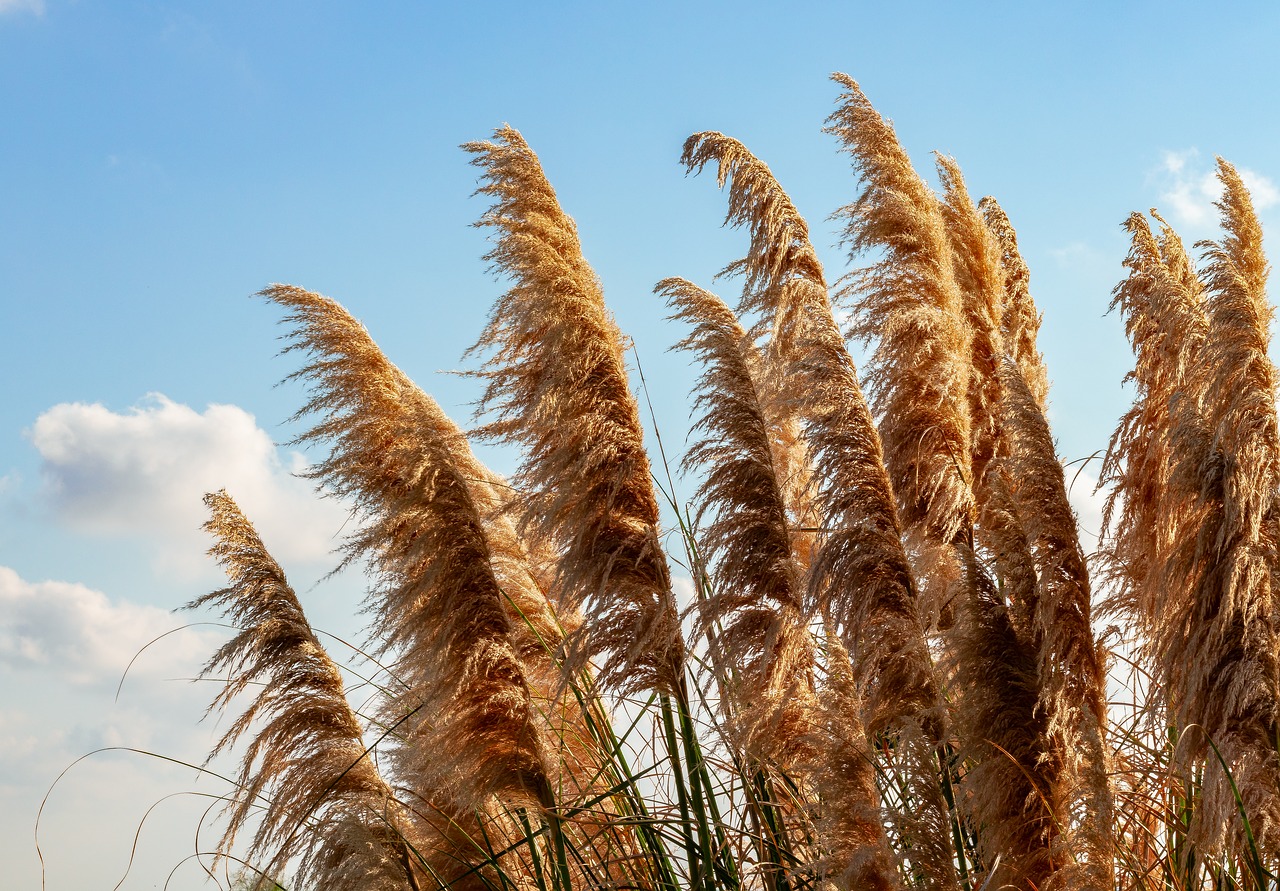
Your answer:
<point x="161" y="162"/>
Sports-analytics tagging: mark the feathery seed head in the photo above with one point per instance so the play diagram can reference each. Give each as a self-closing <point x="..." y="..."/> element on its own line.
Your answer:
<point x="307" y="760"/>
<point x="557" y="385"/>
<point x="909" y="303"/>
<point x="438" y="603"/>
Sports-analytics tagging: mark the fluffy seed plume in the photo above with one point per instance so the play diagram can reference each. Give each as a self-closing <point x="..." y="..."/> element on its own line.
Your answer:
<point x="557" y="385"/>
<point x="1018" y="478"/>
<point x="460" y="701"/>
<point x="306" y="767"/>
<point x="1220" y="645"/>
<point x="1019" y="319"/>
<point x="756" y="607"/>
<point x="1166" y="319"/>
<point x="980" y="278"/>
<point x="932" y="305"/>
<point x="909" y="304"/>
<point x="859" y="576"/>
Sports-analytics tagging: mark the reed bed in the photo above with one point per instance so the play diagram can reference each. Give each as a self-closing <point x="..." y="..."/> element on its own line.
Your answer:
<point x="888" y="677"/>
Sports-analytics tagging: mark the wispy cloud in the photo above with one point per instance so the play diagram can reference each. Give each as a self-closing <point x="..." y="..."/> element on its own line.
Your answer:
<point x="143" y="472"/>
<point x="1189" y="187"/>
<point x="13" y="7"/>
<point x="1076" y="253"/>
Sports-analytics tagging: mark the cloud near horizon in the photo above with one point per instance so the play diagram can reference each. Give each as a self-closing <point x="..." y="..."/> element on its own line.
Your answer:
<point x="142" y="473"/>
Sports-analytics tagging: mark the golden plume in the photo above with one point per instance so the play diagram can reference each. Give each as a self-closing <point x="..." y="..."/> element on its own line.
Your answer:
<point x="979" y="274"/>
<point x="467" y="729"/>
<point x="1019" y="478"/>
<point x="557" y="385"/>
<point x="859" y="576"/>
<point x="910" y="305"/>
<point x="1220" y="645"/>
<point x="1145" y="517"/>
<point x="1019" y="319"/>
<point x="1071" y="667"/>
<point x="755" y="607"/>
<point x="922" y="302"/>
<point x="306" y="769"/>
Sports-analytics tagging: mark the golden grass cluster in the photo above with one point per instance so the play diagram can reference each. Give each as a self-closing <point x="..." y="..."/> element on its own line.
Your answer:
<point x="888" y="677"/>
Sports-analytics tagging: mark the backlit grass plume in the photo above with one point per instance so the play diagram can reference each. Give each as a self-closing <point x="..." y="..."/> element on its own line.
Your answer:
<point x="1220" y="647"/>
<point x="754" y="610"/>
<point x="932" y="304"/>
<point x="1027" y="479"/>
<point x="859" y="576"/>
<point x="1070" y="666"/>
<point x="909" y="305"/>
<point x="1162" y="303"/>
<point x="557" y="385"/>
<point x="306" y="775"/>
<point x="978" y="269"/>
<point x="1019" y="318"/>
<point x="466" y="729"/>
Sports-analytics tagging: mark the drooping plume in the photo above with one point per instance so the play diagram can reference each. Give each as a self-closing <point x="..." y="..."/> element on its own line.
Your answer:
<point x="461" y="700"/>
<point x="557" y="385"/>
<point x="755" y="607"/>
<point x="306" y="775"/>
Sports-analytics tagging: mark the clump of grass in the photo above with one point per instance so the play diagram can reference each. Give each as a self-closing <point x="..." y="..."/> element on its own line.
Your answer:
<point x="888" y="678"/>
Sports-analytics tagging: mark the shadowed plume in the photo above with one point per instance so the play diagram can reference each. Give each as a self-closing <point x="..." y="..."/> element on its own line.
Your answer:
<point x="755" y="606"/>
<point x="306" y="767"/>
<point x="466" y="723"/>
<point x="557" y="385"/>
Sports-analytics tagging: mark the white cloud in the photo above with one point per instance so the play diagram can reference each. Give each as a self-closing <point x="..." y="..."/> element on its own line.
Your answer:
<point x="79" y="634"/>
<point x="1086" y="501"/>
<point x="1189" y="187"/>
<point x="35" y="7"/>
<point x="143" y="473"/>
